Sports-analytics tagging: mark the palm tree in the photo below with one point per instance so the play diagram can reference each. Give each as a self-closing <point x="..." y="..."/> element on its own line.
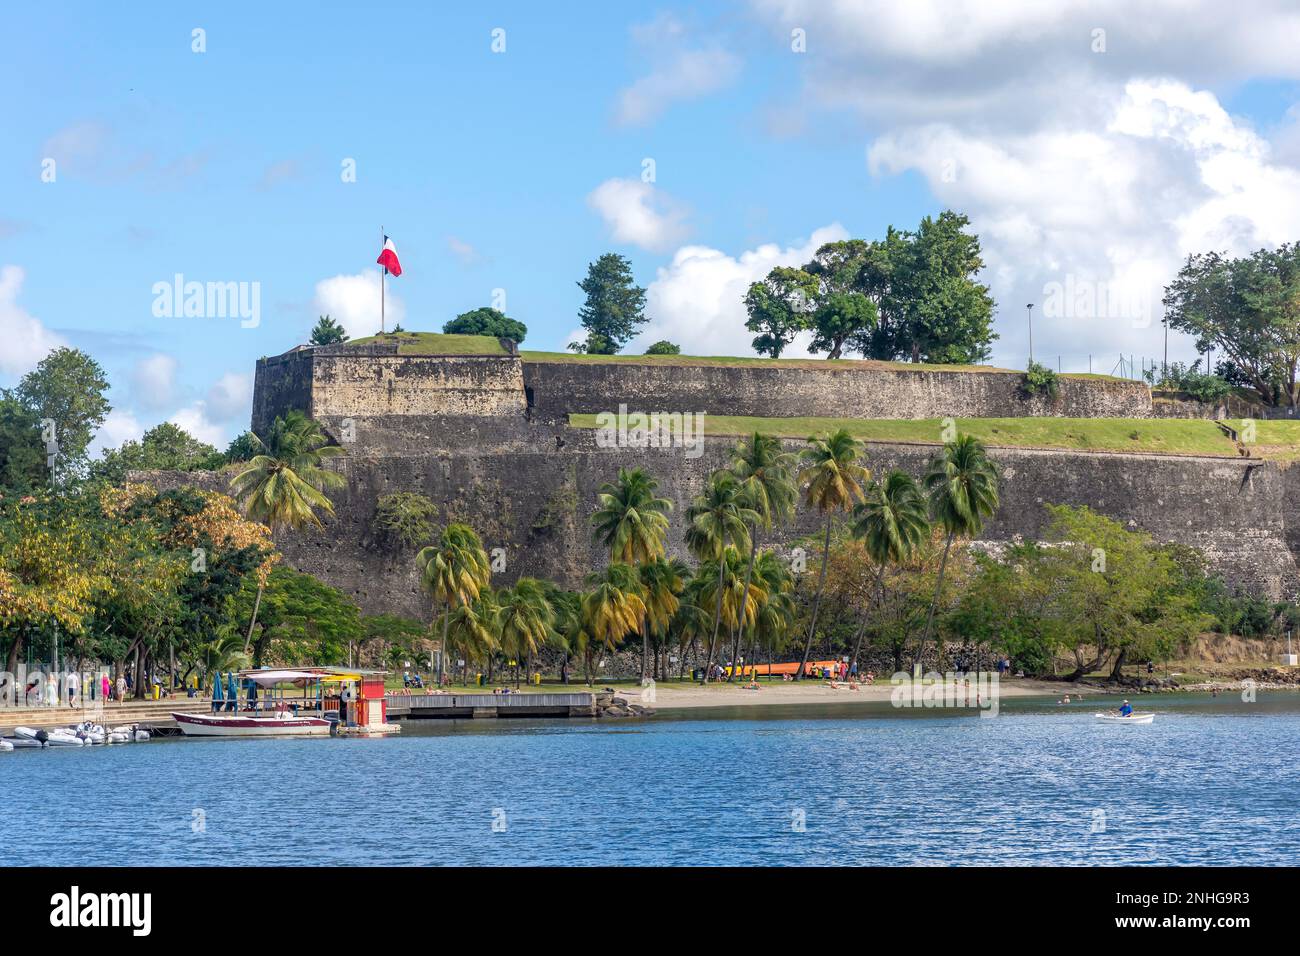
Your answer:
<point x="631" y="521"/>
<point x="285" y="482"/>
<point x="892" y="522"/>
<point x="454" y="572"/>
<point x="765" y="471"/>
<point x="963" y="487"/>
<point x="221" y="654"/>
<point x="832" y="481"/>
<point x="718" y="519"/>
<point x="737" y="603"/>
<point x="693" y="621"/>
<point x="469" y="633"/>
<point x="526" y="620"/>
<point x="613" y="608"/>
<point x="567" y="606"/>
<point x="776" y="613"/>
<point x="662" y="581"/>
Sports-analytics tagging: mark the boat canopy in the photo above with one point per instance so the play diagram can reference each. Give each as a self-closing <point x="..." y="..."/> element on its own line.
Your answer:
<point x="268" y="678"/>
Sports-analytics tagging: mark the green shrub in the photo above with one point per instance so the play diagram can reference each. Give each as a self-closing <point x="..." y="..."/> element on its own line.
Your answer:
<point x="1039" y="380"/>
<point x="404" y="519"/>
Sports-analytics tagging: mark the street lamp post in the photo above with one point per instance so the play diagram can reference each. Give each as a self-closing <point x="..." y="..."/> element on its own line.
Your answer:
<point x="1029" y="311"/>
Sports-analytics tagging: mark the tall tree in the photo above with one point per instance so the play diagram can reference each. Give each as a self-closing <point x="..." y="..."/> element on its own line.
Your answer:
<point x="780" y="307"/>
<point x="525" y="620"/>
<point x="285" y="483"/>
<point x="766" y="474"/>
<point x="67" y="387"/>
<point x="454" y="572"/>
<point x="662" y="581"/>
<point x="844" y="310"/>
<point x="487" y="321"/>
<point x="631" y="521"/>
<point x="165" y="447"/>
<point x="22" y="454"/>
<point x="1249" y="310"/>
<point x="613" y="310"/>
<point x="892" y="522"/>
<point x="612" y="608"/>
<point x="832" y="479"/>
<point x="946" y="311"/>
<point x="328" y="332"/>
<point x="718" y="519"/>
<point x="963" y="486"/>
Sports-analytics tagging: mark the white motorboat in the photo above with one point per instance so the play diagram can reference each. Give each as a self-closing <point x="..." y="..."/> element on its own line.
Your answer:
<point x="62" y="738"/>
<point x="1133" y="718"/>
<point x="251" y="724"/>
<point x="127" y="733"/>
<point x="91" y="733"/>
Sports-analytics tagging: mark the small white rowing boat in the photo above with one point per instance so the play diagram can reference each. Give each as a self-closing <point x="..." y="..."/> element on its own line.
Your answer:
<point x="1130" y="719"/>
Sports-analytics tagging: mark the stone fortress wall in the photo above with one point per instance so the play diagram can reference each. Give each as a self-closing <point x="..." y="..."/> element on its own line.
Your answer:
<point x="485" y="437"/>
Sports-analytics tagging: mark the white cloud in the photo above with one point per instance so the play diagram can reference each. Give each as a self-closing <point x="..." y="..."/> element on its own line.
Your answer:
<point x="1113" y="209"/>
<point x="26" y="340"/>
<point x="195" y="420"/>
<point x="119" y="425"/>
<point x="689" y="74"/>
<point x="678" y="72"/>
<point x="1096" y="171"/>
<point x="230" y="396"/>
<point x="638" y="214"/>
<point x="353" y="300"/>
<point x="153" y="381"/>
<point x="697" y="300"/>
<point x="464" y="252"/>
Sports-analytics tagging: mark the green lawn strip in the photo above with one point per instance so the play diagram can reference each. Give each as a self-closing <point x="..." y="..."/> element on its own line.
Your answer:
<point x="435" y="343"/>
<point x="731" y="360"/>
<point x="1157" y="436"/>
<point x="1276" y="440"/>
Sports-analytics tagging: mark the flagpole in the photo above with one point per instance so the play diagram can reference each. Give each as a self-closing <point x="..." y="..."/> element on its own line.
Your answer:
<point x="383" y="271"/>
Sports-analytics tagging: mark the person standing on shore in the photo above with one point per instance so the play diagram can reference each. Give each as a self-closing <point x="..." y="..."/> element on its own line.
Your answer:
<point x="121" y="689"/>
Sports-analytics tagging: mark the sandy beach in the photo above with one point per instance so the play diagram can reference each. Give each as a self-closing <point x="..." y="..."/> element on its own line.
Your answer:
<point x="692" y="696"/>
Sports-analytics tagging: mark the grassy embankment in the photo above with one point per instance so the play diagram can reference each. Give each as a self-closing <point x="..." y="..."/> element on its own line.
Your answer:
<point x="435" y="343"/>
<point x="1277" y="440"/>
<point x="750" y="360"/>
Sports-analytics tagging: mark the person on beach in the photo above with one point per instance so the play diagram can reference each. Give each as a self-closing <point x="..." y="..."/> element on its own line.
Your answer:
<point x="74" y="684"/>
<point x="121" y="688"/>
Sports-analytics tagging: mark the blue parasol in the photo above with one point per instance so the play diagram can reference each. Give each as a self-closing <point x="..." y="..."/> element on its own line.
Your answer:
<point x="232" y="685"/>
<point x="216" y="687"/>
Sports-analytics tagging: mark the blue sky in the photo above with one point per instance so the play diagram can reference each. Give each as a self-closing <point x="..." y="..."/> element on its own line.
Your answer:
<point x="512" y="170"/>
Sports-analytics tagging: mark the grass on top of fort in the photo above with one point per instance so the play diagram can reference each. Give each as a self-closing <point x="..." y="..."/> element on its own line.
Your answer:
<point x="1276" y="440"/>
<point x="435" y="343"/>
<point x="440" y="343"/>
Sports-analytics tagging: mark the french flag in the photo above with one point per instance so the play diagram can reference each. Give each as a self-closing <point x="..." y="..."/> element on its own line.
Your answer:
<point x="388" y="258"/>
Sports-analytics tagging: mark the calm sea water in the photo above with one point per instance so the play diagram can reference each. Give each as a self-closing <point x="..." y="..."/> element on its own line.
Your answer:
<point x="1210" y="782"/>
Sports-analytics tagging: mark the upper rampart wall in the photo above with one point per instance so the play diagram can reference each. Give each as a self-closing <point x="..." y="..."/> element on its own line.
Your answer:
<point x="360" y="381"/>
<point x="870" y="390"/>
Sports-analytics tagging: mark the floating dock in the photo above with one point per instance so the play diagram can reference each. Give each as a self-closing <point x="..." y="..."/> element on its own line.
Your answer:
<point x="432" y="706"/>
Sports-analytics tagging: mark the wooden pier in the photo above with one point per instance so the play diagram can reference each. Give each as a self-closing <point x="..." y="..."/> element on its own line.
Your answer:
<point x="432" y="706"/>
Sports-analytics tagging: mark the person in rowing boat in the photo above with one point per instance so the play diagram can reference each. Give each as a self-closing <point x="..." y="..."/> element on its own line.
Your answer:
<point x="1125" y="709"/>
